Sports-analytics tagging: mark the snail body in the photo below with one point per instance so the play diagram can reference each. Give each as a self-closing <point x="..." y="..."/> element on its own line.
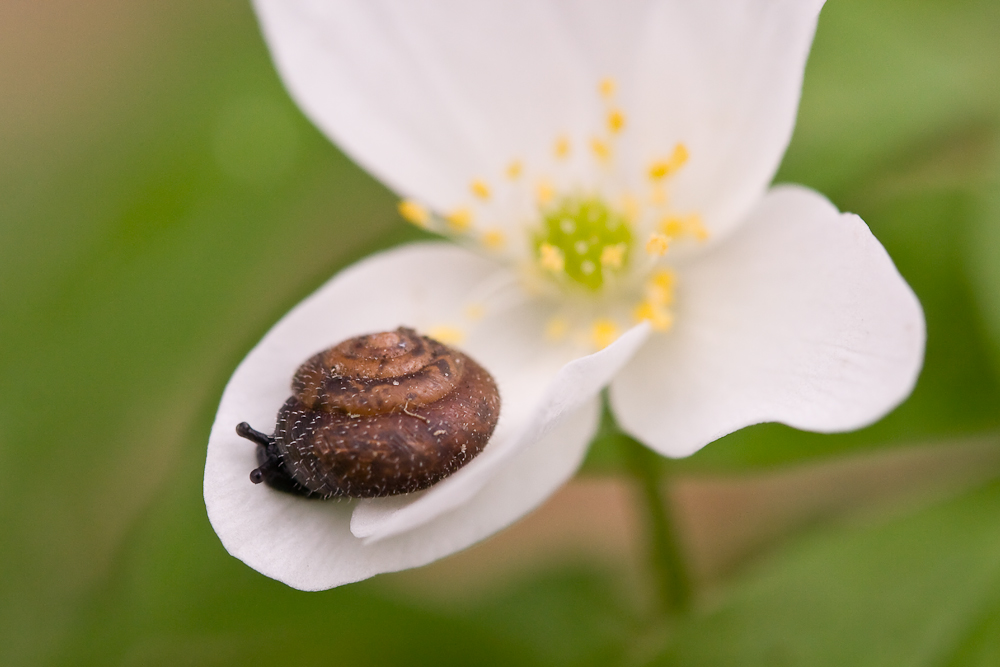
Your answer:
<point x="377" y="415"/>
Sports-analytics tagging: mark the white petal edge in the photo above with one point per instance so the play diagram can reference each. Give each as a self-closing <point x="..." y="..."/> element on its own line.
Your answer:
<point x="420" y="286"/>
<point x="575" y="384"/>
<point x="724" y="77"/>
<point x="314" y="550"/>
<point x="799" y="318"/>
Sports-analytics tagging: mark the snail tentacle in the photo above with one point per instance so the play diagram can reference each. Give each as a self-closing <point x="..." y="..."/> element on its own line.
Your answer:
<point x="244" y="430"/>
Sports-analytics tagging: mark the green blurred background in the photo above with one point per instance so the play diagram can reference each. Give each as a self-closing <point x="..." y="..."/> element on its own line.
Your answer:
<point x="162" y="203"/>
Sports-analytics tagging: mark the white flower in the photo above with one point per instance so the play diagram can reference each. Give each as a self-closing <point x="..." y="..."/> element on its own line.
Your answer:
<point x="604" y="168"/>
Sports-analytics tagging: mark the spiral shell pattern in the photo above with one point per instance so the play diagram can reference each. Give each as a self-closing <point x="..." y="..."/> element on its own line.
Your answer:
<point x="384" y="414"/>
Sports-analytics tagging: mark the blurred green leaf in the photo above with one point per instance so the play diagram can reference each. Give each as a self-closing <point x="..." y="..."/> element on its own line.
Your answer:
<point x="137" y="266"/>
<point x="984" y="251"/>
<point x="176" y="597"/>
<point x="919" y="590"/>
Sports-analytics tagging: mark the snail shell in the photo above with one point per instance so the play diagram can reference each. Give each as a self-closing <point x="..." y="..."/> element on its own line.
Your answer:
<point x="377" y="415"/>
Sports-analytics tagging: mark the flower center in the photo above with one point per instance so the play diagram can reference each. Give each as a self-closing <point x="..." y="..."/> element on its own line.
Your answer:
<point x="589" y="219"/>
<point x="583" y="239"/>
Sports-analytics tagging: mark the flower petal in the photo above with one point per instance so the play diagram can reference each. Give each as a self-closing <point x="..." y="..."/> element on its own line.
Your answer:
<point x="429" y="95"/>
<point x="723" y="77"/>
<point x="309" y="544"/>
<point x="800" y="318"/>
<point x="575" y="384"/>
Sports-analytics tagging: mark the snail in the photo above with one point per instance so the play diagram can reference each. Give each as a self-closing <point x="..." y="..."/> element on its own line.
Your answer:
<point x="377" y="415"/>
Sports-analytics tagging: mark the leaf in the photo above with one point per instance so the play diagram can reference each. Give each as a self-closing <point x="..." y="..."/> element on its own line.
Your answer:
<point x="983" y="251"/>
<point x="920" y="590"/>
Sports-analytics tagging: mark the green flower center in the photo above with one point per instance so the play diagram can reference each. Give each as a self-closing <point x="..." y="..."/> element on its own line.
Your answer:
<point x="583" y="239"/>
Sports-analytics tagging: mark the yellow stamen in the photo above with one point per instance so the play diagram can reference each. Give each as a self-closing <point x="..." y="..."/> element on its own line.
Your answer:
<point x="673" y="226"/>
<point x="630" y="208"/>
<point x="480" y="189"/>
<point x="660" y="287"/>
<point x="460" y="219"/>
<point x="658" y="195"/>
<point x="561" y="148"/>
<point x="556" y="329"/>
<point x="658" y="316"/>
<point x="551" y="258"/>
<point x="660" y="169"/>
<point x="679" y="157"/>
<point x="616" y="121"/>
<point x="698" y="228"/>
<point x="414" y="212"/>
<point x="613" y="256"/>
<point x="544" y="192"/>
<point x="475" y="311"/>
<point x="601" y="149"/>
<point x="607" y="87"/>
<point x="657" y="245"/>
<point x="446" y="334"/>
<point x="494" y="239"/>
<point x="514" y="170"/>
<point x="603" y="332"/>
<point x="691" y="225"/>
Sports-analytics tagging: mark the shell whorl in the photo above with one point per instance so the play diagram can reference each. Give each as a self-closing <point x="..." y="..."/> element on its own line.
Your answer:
<point x="379" y="373"/>
<point x="377" y="415"/>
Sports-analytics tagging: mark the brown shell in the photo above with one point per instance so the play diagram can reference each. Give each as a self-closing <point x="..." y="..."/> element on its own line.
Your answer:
<point x="384" y="414"/>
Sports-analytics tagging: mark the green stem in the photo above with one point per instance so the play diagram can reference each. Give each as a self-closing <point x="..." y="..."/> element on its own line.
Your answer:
<point x="666" y="559"/>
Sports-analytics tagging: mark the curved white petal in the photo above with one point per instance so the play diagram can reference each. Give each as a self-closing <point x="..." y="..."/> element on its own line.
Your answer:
<point x="430" y="95"/>
<point x="575" y="384"/>
<point x="800" y="318"/>
<point x="723" y="77"/>
<point x="309" y="544"/>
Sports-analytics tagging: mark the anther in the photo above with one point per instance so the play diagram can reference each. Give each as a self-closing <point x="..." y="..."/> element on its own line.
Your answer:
<point x="601" y="149"/>
<point x="607" y="87"/>
<point x="561" y="148"/>
<point x="657" y="316"/>
<point x="660" y="287"/>
<point x="660" y="169"/>
<point x="616" y="121"/>
<point x="613" y="256"/>
<point x="446" y="334"/>
<point x="414" y="212"/>
<point x="460" y="219"/>
<point x="657" y="245"/>
<point x="544" y="192"/>
<point x="480" y="189"/>
<point x="691" y="225"/>
<point x="603" y="332"/>
<point x="551" y="258"/>
<point x="494" y="239"/>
